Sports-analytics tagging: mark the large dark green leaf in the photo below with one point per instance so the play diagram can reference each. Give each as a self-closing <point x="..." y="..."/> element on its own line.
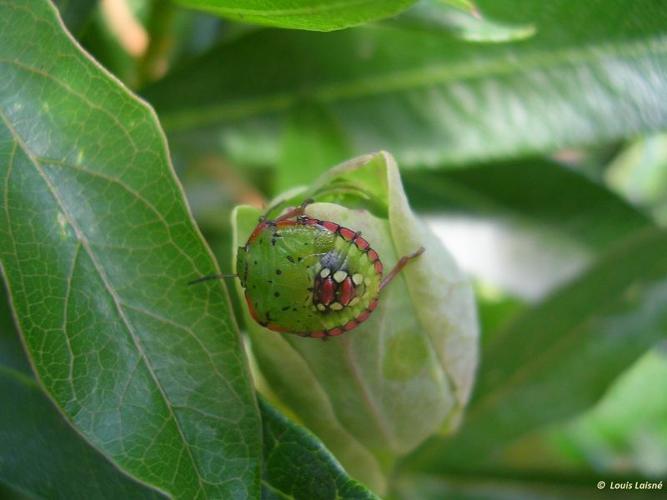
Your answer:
<point x="41" y="455"/>
<point x="315" y="15"/>
<point x="535" y="192"/>
<point x="11" y="352"/>
<point x="298" y="466"/>
<point x="432" y="99"/>
<point x="97" y="246"/>
<point x="559" y="357"/>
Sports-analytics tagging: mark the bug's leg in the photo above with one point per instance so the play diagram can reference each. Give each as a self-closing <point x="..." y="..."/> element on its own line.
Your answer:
<point x="294" y="212"/>
<point x="403" y="261"/>
<point x="212" y="277"/>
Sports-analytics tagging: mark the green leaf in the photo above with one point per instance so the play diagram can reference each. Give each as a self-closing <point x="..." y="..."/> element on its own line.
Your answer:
<point x="431" y="99"/>
<point x="42" y="456"/>
<point x="298" y="466"/>
<point x="375" y="393"/>
<point x="312" y="142"/>
<point x="559" y="357"/>
<point x="314" y="15"/>
<point x="628" y="426"/>
<point x="534" y="192"/>
<point x="639" y="173"/>
<point x="11" y="351"/>
<point x="466" y="24"/>
<point x="97" y="245"/>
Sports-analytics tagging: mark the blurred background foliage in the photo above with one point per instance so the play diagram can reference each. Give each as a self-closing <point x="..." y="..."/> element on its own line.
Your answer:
<point x="531" y="137"/>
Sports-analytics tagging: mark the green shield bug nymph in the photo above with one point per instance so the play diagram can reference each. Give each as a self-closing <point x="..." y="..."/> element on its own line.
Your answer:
<point x="311" y="277"/>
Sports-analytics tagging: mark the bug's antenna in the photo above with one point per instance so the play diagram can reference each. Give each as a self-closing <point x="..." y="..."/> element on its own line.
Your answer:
<point x="212" y="277"/>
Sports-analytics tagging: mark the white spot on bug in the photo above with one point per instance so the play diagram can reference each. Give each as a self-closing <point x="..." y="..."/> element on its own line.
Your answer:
<point x="357" y="279"/>
<point x="339" y="276"/>
<point x="79" y="157"/>
<point x="325" y="272"/>
<point x="336" y="306"/>
<point x="321" y="307"/>
<point x="354" y="301"/>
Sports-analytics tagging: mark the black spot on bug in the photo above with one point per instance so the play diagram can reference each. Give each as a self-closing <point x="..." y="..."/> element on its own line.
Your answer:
<point x="255" y="262"/>
<point x="273" y="242"/>
<point x="309" y="289"/>
<point x="270" y="282"/>
<point x="279" y="272"/>
<point x="290" y="258"/>
<point x="276" y="294"/>
<point x="286" y="308"/>
<point x="294" y="309"/>
<point x="299" y="259"/>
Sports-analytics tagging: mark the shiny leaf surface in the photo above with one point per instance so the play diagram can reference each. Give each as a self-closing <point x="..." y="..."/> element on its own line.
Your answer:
<point x="97" y="245"/>
<point x="315" y="15"/>
<point x="432" y="99"/>
<point x="297" y="465"/>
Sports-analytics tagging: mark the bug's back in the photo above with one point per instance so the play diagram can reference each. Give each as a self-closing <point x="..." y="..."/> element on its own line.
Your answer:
<point x="309" y="277"/>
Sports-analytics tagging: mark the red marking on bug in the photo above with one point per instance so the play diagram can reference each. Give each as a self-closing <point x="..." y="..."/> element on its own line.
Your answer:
<point x="378" y="267"/>
<point x="277" y="328"/>
<point x="251" y="308"/>
<point x="346" y="289"/>
<point x="317" y="335"/>
<point x="334" y="332"/>
<point x="285" y="223"/>
<point x="350" y="325"/>
<point x="257" y="231"/>
<point x="310" y="221"/>
<point x="363" y="316"/>
<point x="373" y="305"/>
<point x="346" y="233"/>
<point x="331" y="226"/>
<point x="361" y="243"/>
<point x="372" y="255"/>
<point x="327" y="291"/>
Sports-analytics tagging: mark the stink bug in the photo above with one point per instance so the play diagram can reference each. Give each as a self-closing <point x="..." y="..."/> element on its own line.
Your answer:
<point x="310" y="277"/>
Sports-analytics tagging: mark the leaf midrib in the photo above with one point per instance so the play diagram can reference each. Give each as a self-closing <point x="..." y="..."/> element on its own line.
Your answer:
<point x="401" y="81"/>
<point x="85" y="244"/>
